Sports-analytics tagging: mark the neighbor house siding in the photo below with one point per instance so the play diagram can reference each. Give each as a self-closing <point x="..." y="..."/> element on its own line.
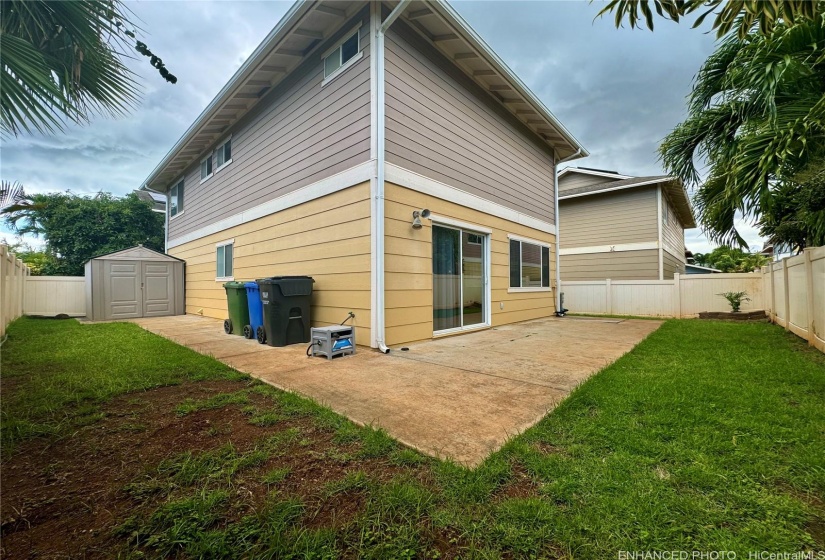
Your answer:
<point x="442" y="125"/>
<point x="301" y="133"/>
<point x="327" y="238"/>
<point x="673" y="235"/>
<point x="575" y="180"/>
<point x="409" y="266"/>
<point x="671" y="265"/>
<point x="625" y="216"/>
<point x="621" y="265"/>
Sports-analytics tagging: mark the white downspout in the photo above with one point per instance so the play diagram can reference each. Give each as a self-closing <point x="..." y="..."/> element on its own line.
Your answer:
<point x="378" y="207"/>
<point x="558" y="225"/>
<point x="165" y="216"/>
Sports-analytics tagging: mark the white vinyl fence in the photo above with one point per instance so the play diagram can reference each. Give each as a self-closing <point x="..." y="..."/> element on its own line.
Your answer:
<point x="684" y="296"/>
<point x="13" y="274"/>
<point x="48" y="296"/>
<point x="795" y="294"/>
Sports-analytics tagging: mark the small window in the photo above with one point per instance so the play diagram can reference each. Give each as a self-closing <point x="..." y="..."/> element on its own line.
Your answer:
<point x="665" y="211"/>
<point x="342" y="54"/>
<point x="224" y="153"/>
<point x="206" y="168"/>
<point x="529" y="265"/>
<point x="474" y="239"/>
<point x="224" y="260"/>
<point x="176" y="199"/>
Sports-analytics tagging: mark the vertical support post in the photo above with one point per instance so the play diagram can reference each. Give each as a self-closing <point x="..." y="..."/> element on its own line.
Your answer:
<point x="677" y="294"/>
<point x="659" y="232"/>
<point x="773" y="293"/>
<point x="809" y="280"/>
<point x="787" y="294"/>
<point x="3" y="288"/>
<point x="608" y="297"/>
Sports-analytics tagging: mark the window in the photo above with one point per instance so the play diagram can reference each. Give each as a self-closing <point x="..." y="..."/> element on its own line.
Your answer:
<point x="665" y="210"/>
<point x="224" y="260"/>
<point x="224" y="154"/>
<point x="176" y="199"/>
<point x="206" y="168"/>
<point x="474" y="239"/>
<point x="348" y="50"/>
<point x="529" y="265"/>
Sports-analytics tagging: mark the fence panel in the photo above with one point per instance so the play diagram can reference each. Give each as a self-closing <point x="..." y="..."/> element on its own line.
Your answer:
<point x="647" y="298"/>
<point x="817" y="297"/>
<point x="52" y="295"/>
<point x="586" y="297"/>
<point x="700" y="292"/>
<point x="797" y="296"/>
<point x="13" y="273"/>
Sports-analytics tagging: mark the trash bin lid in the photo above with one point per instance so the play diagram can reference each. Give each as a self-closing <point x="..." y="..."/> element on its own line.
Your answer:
<point x="251" y="285"/>
<point x="236" y="285"/>
<point x="290" y="285"/>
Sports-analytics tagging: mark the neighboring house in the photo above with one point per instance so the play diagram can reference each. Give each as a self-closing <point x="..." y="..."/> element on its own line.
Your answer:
<point x="621" y="227"/>
<point x="349" y="117"/>
<point x="691" y="268"/>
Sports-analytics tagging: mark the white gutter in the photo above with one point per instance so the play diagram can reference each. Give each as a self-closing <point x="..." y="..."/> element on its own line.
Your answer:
<point x="558" y="225"/>
<point x="378" y="195"/>
<point x="165" y="216"/>
<point x="247" y="68"/>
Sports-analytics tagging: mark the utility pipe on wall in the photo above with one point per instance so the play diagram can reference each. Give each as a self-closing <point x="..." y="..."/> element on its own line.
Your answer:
<point x="558" y="224"/>
<point x="380" y="159"/>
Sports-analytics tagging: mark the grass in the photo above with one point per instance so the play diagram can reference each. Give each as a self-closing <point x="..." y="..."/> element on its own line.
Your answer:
<point x="707" y="436"/>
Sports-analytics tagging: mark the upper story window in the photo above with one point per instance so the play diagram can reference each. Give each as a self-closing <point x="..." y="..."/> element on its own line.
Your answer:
<point x="342" y="55"/>
<point x="206" y="168"/>
<point x="176" y="199"/>
<point x="665" y="210"/>
<point x="529" y="265"/>
<point x="224" y="153"/>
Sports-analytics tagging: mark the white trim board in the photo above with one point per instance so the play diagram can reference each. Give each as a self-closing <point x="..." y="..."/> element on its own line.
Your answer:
<point x="470" y="227"/>
<point x="348" y="178"/>
<point x="621" y="247"/>
<point x="573" y="169"/>
<point x="420" y="183"/>
<point x="631" y="186"/>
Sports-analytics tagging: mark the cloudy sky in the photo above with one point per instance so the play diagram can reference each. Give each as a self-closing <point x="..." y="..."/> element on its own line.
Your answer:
<point x="619" y="91"/>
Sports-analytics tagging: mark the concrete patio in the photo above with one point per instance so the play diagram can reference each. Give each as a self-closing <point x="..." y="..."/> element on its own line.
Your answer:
<point x="460" y="397"/>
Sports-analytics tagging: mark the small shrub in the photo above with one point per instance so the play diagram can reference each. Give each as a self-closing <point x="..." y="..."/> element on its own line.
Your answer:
<point x="735" y="299"/>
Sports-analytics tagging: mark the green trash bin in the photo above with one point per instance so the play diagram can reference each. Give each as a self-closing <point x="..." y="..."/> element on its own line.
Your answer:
<point x="238" y="308"/>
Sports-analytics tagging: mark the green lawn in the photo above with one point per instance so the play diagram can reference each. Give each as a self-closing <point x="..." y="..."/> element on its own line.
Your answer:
<point x="707" y="436"/>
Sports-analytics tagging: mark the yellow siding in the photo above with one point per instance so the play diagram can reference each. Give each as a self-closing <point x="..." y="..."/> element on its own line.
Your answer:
<point x="327" y="238"/>
<point x="408" y="266"/>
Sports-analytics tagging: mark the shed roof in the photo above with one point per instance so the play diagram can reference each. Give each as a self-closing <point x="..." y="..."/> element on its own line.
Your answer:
<point x="305" y="28"/>
<point x="138" y="253"/>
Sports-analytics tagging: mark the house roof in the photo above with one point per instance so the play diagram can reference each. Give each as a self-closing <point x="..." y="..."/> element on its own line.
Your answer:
<point x="138" y="252"/>
<point x="591" y="171"/>
<point x="305" y="28"/>
<point x="672" y="186"/>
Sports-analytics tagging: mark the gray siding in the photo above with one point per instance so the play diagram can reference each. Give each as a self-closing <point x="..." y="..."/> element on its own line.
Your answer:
<point x="624" y="265"/>
<point x="573" y="180"/>
<point x="624" y="216"/>
<point x="673" y="235"/>
<point x="440" y="124"/>
<point x="671" y="265"/>
<point x="299" y="134"/>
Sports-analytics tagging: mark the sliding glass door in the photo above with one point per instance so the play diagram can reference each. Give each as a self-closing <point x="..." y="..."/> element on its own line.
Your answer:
<point x="459" y="278"/>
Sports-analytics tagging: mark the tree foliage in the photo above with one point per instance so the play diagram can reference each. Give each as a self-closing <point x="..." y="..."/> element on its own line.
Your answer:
<point x="63" y="61"/>
<point x="77" y="228"/>
<point x="731" y="259"/>
<point x="739" y="16"/>
<point x="756" y="117"/>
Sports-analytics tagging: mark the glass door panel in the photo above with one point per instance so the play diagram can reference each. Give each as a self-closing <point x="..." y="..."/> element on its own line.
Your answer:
<point x="472" y="278"/>
<point x="446" y="278"/>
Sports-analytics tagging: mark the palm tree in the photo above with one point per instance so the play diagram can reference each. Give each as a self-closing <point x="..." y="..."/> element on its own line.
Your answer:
<point x="741" y="16"/>
<point x="62" y="61"/>
<point x="756" y="116"/>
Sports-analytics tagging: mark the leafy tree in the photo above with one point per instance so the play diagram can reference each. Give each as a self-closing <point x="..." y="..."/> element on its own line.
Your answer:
<point x="77" y="228"/>
<point x="64" y="61"/>
<point x="34" y="259"/>
<point x="756" y="116"/>
<point x="731" y="259"/>
<point x="739" y="16"/>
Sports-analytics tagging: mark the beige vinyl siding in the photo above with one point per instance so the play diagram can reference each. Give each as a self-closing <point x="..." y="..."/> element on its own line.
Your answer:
<point x="409" y="268"/>
<point x="573" y="180"/>
<point x="673" y="235"/>
<point x="300" y="133"/>
<point x="671" y="265"/>
<point x="624" y="216"/>
<point x="620" y="265"/>
<point x="327" y="238"/>
<point x="440" y="124"/>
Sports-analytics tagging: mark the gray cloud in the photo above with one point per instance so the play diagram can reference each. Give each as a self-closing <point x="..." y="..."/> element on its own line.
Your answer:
<point x="618" y="91"/>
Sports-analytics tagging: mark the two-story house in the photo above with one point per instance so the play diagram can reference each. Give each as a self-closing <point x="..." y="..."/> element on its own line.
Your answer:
<point x="349" y="118"/>
<point x="621" y="227"/>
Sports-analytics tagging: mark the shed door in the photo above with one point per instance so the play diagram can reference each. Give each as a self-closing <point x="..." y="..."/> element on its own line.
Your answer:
<point x="158" y="289"/>
<point x="122" y="294"/>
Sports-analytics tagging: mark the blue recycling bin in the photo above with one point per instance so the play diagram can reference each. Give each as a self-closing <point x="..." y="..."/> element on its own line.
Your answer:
<point x="255" y="328"/>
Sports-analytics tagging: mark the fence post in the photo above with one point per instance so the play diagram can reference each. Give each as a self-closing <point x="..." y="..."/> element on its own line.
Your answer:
<point x="608" y="297"/>
<point x="773" y="293"/>
<point x="677" y="299"/>
<point x="787" y="294"/>
<point x="4" y="299"/>
<point x="809" y="280"/>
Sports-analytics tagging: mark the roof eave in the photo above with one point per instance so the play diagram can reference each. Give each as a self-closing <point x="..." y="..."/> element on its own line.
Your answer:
<point x="478" y="43"/>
